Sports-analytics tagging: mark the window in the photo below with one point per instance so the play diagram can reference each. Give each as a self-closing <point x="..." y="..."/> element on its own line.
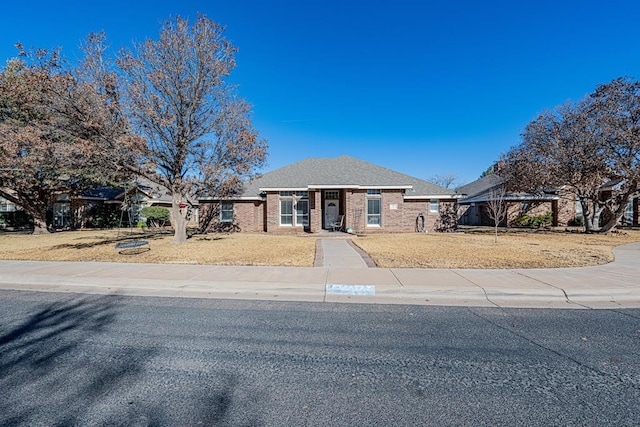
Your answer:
<point x="373" y="212"/>
<point x="6" y="206"/>
<point x="297" y="202"/>
<point x="302" y="212"/>
<point x="434" y="206"/>
<point x="374" y="208"/>
<point x="627" y="218"/>
<point x="331" y="194"/>
<point x="226" y="212"/>
<point x="286" y="212"/>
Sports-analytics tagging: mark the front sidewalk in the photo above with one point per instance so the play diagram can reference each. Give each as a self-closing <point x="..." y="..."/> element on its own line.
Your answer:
<point x="615" y="285"/>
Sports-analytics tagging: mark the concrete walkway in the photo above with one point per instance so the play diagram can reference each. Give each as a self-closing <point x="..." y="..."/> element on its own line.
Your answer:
<point x="615" y="285"/>
<point x="339" y="253"/>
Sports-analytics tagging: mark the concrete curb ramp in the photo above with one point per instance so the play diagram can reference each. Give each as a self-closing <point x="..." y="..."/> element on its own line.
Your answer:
<point x="615" y="285"/>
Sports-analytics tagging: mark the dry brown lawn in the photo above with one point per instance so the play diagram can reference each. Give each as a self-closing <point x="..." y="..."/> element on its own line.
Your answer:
<point x="478" y="250"/>
<point x="433" y="250"/>
<point x="218" y="249"/>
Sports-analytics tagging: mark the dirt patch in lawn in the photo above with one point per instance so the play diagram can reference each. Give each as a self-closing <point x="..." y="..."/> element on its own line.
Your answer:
<point x="478" y="250"/>
<point x="216" y="249"/>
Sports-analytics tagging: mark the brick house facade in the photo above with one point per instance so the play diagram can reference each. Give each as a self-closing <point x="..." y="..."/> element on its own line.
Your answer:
<point x="311" y="195"/>
<point x="473" y="204"/>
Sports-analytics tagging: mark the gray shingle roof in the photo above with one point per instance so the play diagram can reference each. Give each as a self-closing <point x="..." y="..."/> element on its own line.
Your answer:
<point x="343" y="171"/>
<point x="480" y="191"/>
<point x="480" y="186"/>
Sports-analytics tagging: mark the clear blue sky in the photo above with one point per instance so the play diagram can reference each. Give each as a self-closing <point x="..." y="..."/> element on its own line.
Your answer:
<point x="421" y="88"/>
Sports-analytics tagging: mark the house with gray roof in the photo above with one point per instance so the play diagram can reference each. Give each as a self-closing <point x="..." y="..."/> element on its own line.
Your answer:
<point x="331" y="193"/>
<point x="475" y="196"/>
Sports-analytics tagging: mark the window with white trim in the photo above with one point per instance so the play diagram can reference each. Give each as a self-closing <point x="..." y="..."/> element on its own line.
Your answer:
<point x="294" y="208"/>
<point x="374" y="208"/>
<point x="627" y="218"/>
<point x="226" y="212"/>
<point x="434" y="206"/>
<point x="331" y="194"/>
<point x="6" y="206"/>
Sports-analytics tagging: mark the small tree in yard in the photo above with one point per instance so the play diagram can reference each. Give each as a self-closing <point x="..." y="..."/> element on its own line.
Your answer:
<point x="199" y="139"/>
<point x="497" y="208"/>
<point x="157" y="216"/>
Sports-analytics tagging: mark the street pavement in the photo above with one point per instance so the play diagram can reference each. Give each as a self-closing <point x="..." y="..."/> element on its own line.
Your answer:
<point x="345" y="277"/>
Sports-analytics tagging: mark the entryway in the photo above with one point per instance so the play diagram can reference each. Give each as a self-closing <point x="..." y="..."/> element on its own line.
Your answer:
<point x="331" y="208"/>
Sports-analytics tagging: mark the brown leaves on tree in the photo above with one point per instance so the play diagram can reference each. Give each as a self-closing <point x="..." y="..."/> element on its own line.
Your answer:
<point x="59" y="132"/>
<point x="199" y="140"/>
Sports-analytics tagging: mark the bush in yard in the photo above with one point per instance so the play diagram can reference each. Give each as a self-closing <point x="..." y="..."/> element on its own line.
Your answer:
<point x="157" y="216"/>
<point x="534" y="221"/>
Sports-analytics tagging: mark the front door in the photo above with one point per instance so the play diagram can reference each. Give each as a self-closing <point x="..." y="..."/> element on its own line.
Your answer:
<point x="331" y="209"/>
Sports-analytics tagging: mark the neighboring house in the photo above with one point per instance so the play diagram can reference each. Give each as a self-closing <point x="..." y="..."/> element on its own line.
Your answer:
<point x="631" y="215"/>
<point x="12" y="215"/>
<point x="101" y="207"/>
<point x="475" y="196"/>
<point x="312" y="194"/>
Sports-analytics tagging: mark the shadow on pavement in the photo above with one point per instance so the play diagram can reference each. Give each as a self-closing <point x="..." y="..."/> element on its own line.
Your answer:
<point x="60" y="366"/>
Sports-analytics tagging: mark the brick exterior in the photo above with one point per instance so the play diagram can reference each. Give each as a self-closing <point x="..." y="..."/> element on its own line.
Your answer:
<point x="397" y="215"/>
<point x="248" y="216"/>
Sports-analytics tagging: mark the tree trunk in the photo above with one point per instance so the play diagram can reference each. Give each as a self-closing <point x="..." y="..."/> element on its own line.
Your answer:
<point x="178" y="217"/>
<point x="586" y="216"/>
<point x="40" y="223"/>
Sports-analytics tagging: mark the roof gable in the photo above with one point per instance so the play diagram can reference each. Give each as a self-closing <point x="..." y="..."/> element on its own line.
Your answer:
<point x="480" y="186"/>
<point x="340" y="172"/>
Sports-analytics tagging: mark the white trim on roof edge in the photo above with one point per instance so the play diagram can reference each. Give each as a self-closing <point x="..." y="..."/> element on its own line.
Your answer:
<point x="337" y="187"/>
<point x="433" y="196"/>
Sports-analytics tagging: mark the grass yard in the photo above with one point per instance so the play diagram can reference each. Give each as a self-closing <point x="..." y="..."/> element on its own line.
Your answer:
<point x="478" y="250"/>
<point x="222" y="249"/>
<point x="432" y="250"/>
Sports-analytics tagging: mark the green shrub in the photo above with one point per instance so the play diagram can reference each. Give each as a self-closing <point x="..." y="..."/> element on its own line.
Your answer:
<point x="157" y="216"/>
<point x="534" y="221"/>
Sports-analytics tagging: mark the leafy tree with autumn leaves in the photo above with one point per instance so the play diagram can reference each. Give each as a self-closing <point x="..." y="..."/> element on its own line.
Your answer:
<point x="164" y="110"/>
<point x="55" y="127"/>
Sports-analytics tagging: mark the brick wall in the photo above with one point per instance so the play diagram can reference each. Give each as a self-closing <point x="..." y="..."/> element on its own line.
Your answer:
<point x="413" y="208"/>
<point x="248" y="216"/>
<point x="398" y="215"/>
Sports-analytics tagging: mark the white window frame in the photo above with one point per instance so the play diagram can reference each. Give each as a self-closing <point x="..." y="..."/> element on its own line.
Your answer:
<point x="299" y="208"/>
<point x="331" y="194"/>
<point x="434" y="206"/>
<point x="229" y="208"/>
<point x="374" y="195"/>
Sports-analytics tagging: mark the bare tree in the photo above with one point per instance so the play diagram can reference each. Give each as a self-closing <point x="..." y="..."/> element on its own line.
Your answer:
<point x="497" y="208"/>
<point x="199" y="139"/>
<point x="617" y="114"/>
<point x="581" y="147"/>
<point x="447" y="180"/>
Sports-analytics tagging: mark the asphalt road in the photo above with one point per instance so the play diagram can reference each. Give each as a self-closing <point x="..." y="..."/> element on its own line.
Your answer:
<point x="104" y="360"/>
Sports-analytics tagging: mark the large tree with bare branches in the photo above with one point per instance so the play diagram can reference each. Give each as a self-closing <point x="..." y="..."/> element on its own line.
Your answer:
<point x="58" y="128"/>
<point x="582" y="147"/>
<point x="199" y="139"/>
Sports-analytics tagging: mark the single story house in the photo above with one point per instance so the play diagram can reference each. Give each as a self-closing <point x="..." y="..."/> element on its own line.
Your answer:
<point x="99" y="207"/>
<point x="475" y="196"/>
<point x="318" y="193"/>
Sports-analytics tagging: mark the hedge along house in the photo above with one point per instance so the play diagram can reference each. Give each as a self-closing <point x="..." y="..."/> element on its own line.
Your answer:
<point x="475" y="197"/>
<point x="312" y="194"/>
